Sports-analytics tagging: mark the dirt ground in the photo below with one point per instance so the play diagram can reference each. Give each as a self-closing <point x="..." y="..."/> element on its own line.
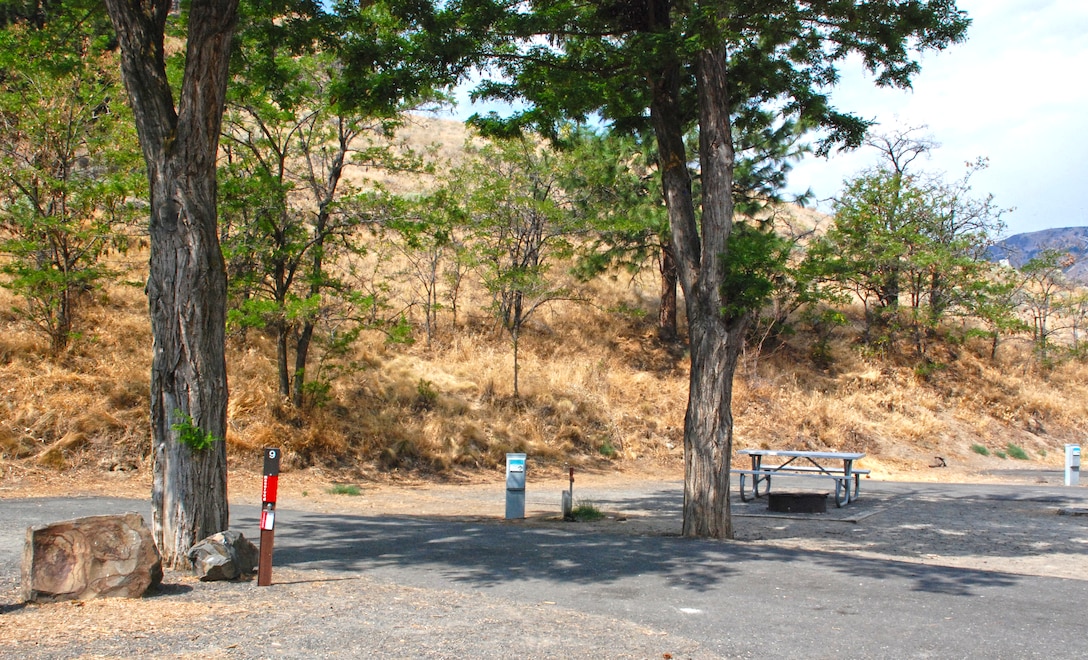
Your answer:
<point x="973" y="532"/>
<point x="1020" y="533"/>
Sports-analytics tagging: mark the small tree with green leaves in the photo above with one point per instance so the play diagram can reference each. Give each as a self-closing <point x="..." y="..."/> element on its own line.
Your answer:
<point x="994" y="300"/>
<point x="427" y="230"/>
<point x="519" y="222"/>
<point x="909" y="235"/>
<point x="70" y="164"/>
<point x="295" y="121"/>
<point x="1041" y="297"/>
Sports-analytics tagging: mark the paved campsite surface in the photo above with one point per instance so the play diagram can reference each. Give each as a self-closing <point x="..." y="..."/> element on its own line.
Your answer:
<point x="911" y="570"/>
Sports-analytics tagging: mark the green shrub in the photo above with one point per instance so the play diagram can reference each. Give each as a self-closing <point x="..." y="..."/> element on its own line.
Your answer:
<point x="585" y="512"/>
<point x="1016" y="452"/>
<point x="928" y="368"/>
<point x="607" y="449"/>
<point x="426" y="395"/>
<point x="623" y="309"/>
<point x="980" y="449"/>
<point x="1000" y="454"/>
<point x="344" y="489"/>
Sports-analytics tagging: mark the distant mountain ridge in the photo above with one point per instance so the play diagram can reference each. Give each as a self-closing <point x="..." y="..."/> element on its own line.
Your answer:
<point x="1021" y="248"/>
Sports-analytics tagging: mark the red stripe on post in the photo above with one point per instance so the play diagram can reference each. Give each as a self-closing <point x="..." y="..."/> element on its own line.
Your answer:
<point x="268" y="492"/>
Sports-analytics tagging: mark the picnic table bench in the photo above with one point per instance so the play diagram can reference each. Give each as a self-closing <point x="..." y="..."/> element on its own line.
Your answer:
<point x="820" y="464"/>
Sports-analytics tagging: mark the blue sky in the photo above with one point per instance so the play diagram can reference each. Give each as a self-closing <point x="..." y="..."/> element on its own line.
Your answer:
<point x="1016" y="92"/>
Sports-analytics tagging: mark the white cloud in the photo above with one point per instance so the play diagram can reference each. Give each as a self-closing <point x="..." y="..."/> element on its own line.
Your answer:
<point x="1015" y="92"/>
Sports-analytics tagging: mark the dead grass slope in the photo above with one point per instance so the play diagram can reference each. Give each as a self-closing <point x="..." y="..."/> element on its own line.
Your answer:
<point x="598" y="390"/>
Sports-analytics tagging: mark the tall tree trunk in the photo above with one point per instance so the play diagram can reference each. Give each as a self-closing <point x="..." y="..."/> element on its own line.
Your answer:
<point x="283" y="329"/>
<point x="666" y="316"/>
<point x="715" y="341"/>
<point x="302" y="355"/>
<point x="325" y="195"/>
<point x="186" y="286"/>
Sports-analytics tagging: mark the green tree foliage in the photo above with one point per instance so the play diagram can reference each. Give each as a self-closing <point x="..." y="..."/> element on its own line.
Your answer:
<point x="519" y="222"/>
<point x="909" y="235"/>
<point x="723" y="66"/>
<point x="287" y="215"/>
<point x="994" y="301"/>
<point x="752" y="267"/>
<point x="430" y="233"/>
<point x="877" y="232"/>
<point x="618" y="194"/>
<point x="316" y="89"/>
<point x="69" y="162"/>
<point x="1042" y="296"/>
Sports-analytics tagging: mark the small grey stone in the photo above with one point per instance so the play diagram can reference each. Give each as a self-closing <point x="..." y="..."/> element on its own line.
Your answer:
<point x="223" y="556"/>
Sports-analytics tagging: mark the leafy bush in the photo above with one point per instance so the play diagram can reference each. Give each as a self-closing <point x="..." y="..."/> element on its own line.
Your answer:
<point x="1016" y="452"/>
<point x="980" y="449"/>
<point x="345" y="489"/>
<point x="426" y="395"/>
<point x="928" y="369"/>
<point x="586" y="512"/>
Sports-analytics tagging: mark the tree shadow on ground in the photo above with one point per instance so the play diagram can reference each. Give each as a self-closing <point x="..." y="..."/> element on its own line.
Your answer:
<point x="484" y="553"/>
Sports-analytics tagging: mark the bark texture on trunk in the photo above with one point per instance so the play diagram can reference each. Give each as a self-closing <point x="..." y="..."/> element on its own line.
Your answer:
<point x="666" y="316"/>
<point x="700" y="251"/>
<point x="708" y="426"/>
<point x="186" y="287"/>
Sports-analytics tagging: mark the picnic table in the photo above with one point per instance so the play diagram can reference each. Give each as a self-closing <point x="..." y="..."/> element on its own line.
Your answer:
<point x="835" y="465"/>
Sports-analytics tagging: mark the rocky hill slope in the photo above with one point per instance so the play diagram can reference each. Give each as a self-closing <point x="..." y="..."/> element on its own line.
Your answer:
<point x="1021" y="248"/>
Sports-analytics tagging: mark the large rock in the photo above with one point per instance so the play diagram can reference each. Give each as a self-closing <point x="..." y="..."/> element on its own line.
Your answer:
<point x="224" y="556"/>
<point x="92" y="557"/>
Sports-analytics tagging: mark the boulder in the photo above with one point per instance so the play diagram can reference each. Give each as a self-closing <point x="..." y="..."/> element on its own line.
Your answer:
<point x="224" y="556"/>
<point x="92" y="557"/>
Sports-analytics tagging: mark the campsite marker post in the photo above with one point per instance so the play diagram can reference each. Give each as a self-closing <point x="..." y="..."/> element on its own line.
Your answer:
<point x="268" y="515"/>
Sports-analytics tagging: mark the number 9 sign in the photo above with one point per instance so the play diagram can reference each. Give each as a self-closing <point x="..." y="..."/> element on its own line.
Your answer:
<point x="271" y="462"/>
<point x="268" y="514"/>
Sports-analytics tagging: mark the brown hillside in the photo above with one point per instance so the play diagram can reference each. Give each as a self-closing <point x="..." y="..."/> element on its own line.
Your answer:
<point x="598" y="390"/>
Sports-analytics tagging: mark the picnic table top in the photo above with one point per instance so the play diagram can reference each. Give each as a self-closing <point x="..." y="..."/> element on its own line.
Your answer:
<point x="829" y="455"/>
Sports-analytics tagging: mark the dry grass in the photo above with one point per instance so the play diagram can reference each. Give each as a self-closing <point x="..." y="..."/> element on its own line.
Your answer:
<point x="598" y="390"/>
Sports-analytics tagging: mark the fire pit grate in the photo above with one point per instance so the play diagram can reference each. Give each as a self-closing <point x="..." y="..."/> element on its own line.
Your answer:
<point x="797" y="502"/>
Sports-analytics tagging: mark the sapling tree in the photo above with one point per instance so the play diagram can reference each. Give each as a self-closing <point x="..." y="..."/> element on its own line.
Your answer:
<point x="1042" y="296"/>
<point x="994" y="300"/>
<point x="519" y="222"/>
<point x="429" y="231"/>
<point x="284" y="217"/>
<point x="69" y="163"/>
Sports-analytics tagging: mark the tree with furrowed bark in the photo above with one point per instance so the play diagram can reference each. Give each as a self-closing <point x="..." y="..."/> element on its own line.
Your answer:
<point x="186" y="285"/>
<point x="390" y="50"/>
<point x="714" y="65"/>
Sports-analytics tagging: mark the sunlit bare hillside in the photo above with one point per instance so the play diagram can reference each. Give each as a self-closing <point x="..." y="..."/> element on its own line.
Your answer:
<point x="598" y="390"/>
